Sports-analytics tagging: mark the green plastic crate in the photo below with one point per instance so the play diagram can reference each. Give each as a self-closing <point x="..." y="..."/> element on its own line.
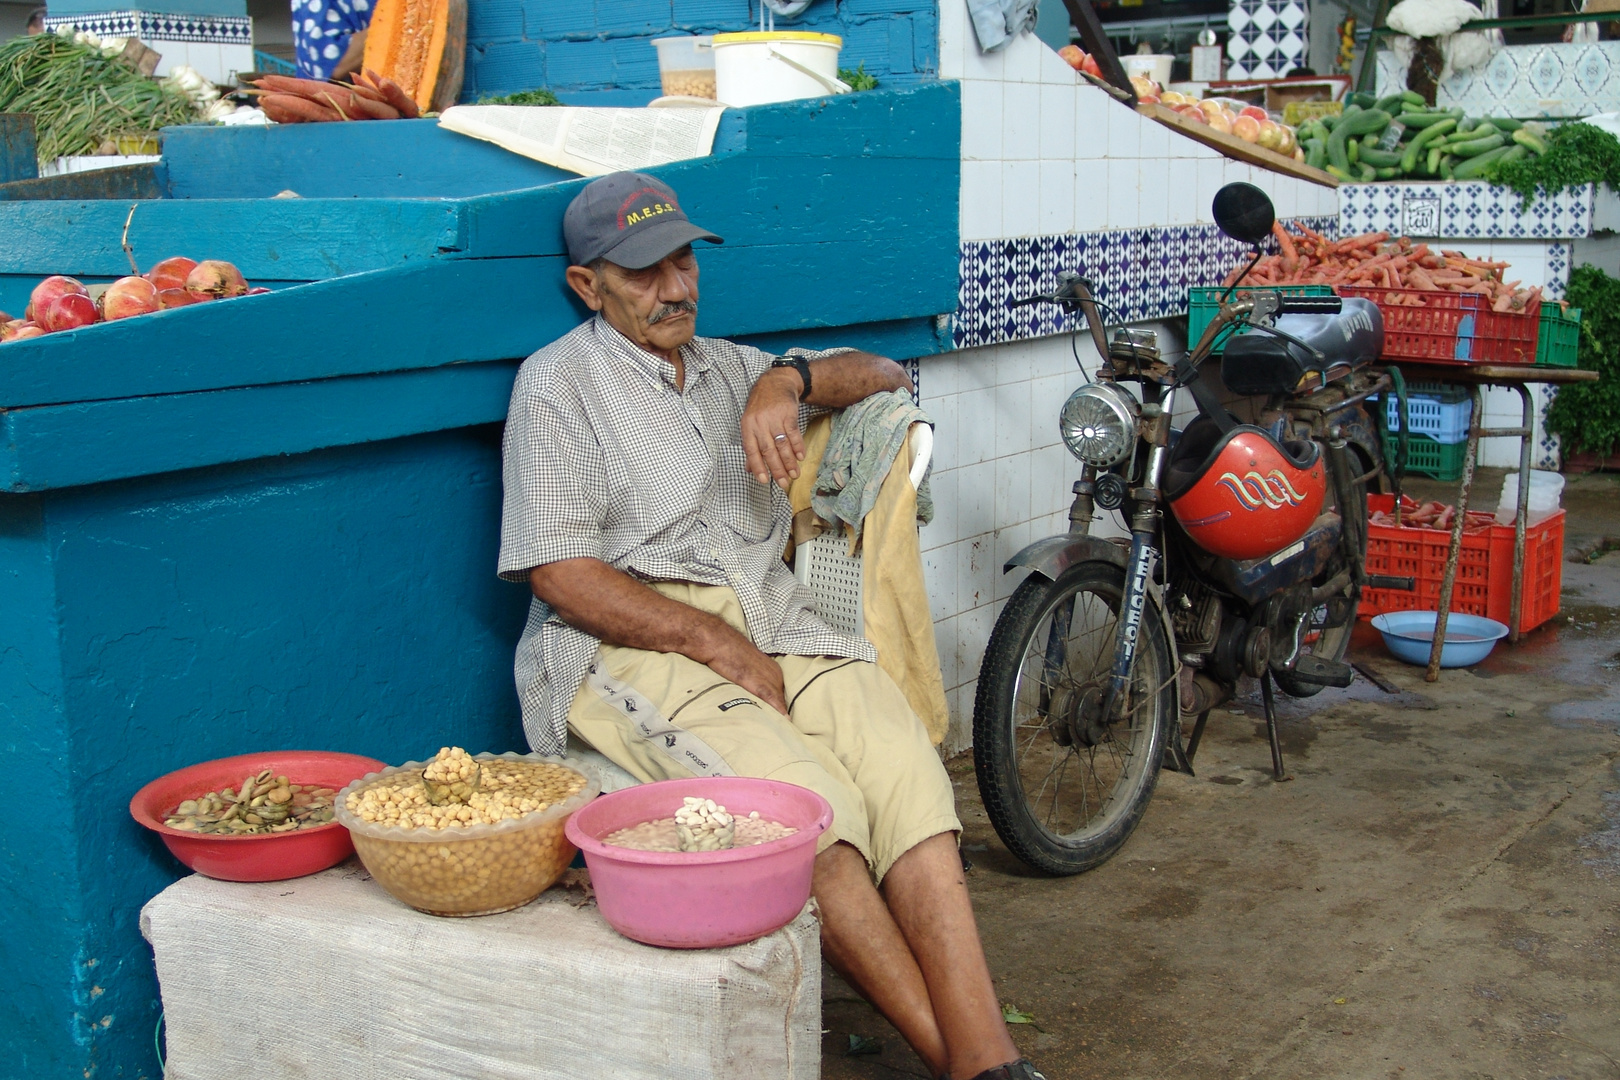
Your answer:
<point x="1203" y="301"/>
<point x="1424" y="455"/>
<point x="1560" y="336"/>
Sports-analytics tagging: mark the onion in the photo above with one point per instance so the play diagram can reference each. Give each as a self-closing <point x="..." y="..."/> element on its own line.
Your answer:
<point x="214" y="278"/>
<point x="48" y="290"/>
<point x="68" y="312"/>
<point x="128" y="296"/>
<point x="173" y="298"/>
<point x="171" y="273"/>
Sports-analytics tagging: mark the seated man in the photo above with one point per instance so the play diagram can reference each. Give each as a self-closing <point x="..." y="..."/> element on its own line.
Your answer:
<point x="667" y="632"/>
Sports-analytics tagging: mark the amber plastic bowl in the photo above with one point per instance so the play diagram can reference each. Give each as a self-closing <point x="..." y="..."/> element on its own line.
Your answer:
<point x="272" y="857"/>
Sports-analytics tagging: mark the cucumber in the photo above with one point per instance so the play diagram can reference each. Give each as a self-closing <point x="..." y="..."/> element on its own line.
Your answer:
<point x="1477" y="146"/>
<point x="1391" y="103"/>
<point x="1412" y="97"/>
<point x="1362" y="98"/>
<point x="1506" y="124"/>
<point x="1352" y="150"/>
<point x="1388" y="174"/>
<point x="1334" y="170"/>
<point x="1409" y="160"/>
<point x="1433" y="165"/>
<point x="1468" y="123"/>
<point x="1446" y="172"/>
<point x="1476" y="167"/>
<point x="1368" y="173"/>
<point x="1424" y="119"/>
<point x="1366" y="122"/>
<point x="1315" y="153"/>
<point x="1380" y="159"/>
<point x="1528" y="139"/>
<point x="1515" y="152"/>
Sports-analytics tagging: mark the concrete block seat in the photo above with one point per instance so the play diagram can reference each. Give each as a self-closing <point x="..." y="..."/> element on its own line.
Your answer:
<point x="329" y="976"/>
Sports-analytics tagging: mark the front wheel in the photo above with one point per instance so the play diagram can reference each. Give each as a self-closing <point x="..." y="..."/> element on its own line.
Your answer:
<point x="1063" y="789"/>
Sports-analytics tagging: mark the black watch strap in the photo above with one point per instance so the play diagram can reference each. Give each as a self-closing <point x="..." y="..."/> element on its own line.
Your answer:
<point x="803" y="367"/>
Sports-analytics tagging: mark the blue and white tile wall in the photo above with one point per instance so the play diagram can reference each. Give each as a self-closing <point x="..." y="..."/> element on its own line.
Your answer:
<point x="217" y="46"/>
<point x="1269" y="37"/>
<point x="1055" y="175"/>
<point x="1463" y="210"/>
<point x="1528" y="80"/>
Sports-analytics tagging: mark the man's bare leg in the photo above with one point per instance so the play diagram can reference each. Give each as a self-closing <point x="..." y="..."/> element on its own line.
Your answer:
<point x="914" y="953"/>
<point x="862" y="942"/>
<point x="926" y="893"/>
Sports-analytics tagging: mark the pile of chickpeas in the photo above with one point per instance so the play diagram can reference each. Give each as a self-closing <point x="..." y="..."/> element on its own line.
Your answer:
<point x="698" y="82"/>
<point x="446" y="874"/>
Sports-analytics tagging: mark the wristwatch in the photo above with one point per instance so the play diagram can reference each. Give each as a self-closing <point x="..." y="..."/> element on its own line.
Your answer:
<point x="803" y="367"/>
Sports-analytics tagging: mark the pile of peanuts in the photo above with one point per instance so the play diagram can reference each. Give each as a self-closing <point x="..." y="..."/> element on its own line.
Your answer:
<point x="445" y="875"/>
<point x="504" y="789"/>
<point x="698" y="82"/>
<point x="262" y="803"/>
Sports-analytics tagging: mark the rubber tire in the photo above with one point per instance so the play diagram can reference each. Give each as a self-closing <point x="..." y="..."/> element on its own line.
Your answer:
<point x="1340" y="645"/>
<point x="994" y="762"/>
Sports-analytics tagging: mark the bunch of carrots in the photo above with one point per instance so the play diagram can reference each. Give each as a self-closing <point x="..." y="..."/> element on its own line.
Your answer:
<point x="1430" y="515"/>
<point x="287" y="100"/>
<point x="1374" y="261"/>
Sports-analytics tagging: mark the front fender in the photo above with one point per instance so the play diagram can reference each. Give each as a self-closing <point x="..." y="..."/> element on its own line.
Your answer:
<point x="1055" y="554"/>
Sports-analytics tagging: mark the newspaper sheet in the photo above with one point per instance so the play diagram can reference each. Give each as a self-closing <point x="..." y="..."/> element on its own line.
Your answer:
<point x="591" y="142"/>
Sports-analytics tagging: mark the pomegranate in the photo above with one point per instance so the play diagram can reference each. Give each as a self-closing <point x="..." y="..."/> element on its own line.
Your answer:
<point x="257" y="290"/>
<point x="68" y="312"/>
<point x="1260" y="115"/>
<point x="9" y="328"/>
<point x="1246" y="128"/>
<point x="21" y="333"/>
<point x="214" y="278"/>
<point x="171" y="273"/>
<point x="48" y="290"/>
<point x="128" y="296"/>
<point x="1073" y="55"/>
<point x="173" y="298"/>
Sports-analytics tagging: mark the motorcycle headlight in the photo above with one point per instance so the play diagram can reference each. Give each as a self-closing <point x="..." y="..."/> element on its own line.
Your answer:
<point x="1098" y="424"/>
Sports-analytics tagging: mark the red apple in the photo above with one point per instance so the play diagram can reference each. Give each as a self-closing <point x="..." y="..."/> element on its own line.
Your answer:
<point x="215" y="278"/>
<point x="68" y="312"/>
<point x="128" y="296"/>
<point x="48" y="290"/>
<point x="171" y="273"/>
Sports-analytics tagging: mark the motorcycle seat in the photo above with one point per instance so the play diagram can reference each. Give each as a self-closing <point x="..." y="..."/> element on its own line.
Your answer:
<point x="1256" y="363"/>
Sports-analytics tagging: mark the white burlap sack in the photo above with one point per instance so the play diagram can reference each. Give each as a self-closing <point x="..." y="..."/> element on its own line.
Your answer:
<point x="328" y="977"/>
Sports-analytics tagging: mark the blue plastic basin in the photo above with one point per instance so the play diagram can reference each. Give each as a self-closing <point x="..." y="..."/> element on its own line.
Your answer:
<point x="1409" y="635"/>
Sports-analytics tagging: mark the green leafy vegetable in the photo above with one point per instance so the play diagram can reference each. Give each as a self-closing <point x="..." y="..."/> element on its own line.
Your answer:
<point x="857" y="78"/>
<point x="1587" y="415"/>
<point x="522" y="97"/>
<point x="1576" y="154"/>
<point x="80" y="98"/>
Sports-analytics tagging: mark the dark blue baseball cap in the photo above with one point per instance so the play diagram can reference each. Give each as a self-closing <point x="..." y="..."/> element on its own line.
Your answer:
<point x="630" y="219"/>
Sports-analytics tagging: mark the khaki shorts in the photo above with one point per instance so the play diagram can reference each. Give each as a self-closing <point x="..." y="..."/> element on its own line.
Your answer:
<point x="850" y="735"/>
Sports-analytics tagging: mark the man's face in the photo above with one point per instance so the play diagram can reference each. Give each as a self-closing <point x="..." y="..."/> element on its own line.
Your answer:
<point x="656" y="307"/>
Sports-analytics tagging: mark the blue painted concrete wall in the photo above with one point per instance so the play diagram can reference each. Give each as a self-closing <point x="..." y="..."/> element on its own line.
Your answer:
<point x="598" y="52"/>
<point x="271" y="522"/>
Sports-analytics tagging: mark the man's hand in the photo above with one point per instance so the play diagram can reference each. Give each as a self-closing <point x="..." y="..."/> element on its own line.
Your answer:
<point x="738" y="660"/>
<point x="770" y="431"/>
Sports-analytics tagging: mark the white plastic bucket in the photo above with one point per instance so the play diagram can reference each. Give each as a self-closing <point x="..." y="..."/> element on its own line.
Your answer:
<point x="1155" y="66"/>
<point x="759" y="67"/>
<point x="686" y="66"/>
<point x="1546" y="493"/>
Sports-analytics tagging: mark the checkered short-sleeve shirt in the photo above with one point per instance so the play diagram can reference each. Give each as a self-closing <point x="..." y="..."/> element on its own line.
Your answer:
<point x="605" y="459"/>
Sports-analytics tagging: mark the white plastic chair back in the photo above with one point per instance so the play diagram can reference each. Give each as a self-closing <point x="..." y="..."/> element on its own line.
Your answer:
<point x="824" y="566"/>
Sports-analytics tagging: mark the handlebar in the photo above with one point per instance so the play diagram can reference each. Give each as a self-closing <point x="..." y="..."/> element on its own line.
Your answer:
<point x="1309" y="305"/>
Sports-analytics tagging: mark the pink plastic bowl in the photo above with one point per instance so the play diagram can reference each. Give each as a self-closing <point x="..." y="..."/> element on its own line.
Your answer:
<point x="701" y="900"/>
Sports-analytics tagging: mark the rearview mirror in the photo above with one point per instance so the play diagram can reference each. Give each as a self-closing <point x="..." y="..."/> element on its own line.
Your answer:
<point x="1244" y="212"/>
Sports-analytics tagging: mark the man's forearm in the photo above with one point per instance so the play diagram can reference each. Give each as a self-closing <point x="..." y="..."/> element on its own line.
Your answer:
<point x="614" y="607"/>
<point x="845" y="378"/>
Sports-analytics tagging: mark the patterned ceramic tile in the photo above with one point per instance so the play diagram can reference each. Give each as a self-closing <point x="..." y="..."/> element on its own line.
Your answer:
<point x="1141" y="273"/>
<point x="1268" y="38"/>
<point x="1472" y="209"/>
<point x="1528" y="80"/>
<point x="152" y="26"/>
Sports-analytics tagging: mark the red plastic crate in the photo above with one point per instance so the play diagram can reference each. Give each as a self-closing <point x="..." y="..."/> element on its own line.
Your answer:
<point x="1451" y="327"/>
<point x="1484" y="584"/>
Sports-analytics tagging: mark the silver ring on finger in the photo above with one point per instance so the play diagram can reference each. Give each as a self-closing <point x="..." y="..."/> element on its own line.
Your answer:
<point x="780" y="437"/>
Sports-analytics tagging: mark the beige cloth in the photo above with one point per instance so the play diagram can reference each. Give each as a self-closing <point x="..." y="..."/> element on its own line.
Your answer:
<point x="899" y="622"/>
<point x="849" y="735"/>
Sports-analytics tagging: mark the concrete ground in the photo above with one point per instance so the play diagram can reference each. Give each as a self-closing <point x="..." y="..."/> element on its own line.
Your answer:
<point x="1435" y="893"/>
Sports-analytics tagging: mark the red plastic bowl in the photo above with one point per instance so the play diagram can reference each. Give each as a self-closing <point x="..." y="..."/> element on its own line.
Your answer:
<point x="272" y="857"/>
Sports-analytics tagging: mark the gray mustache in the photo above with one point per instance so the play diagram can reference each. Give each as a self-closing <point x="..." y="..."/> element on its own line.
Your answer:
<point x="669" y="311"/>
